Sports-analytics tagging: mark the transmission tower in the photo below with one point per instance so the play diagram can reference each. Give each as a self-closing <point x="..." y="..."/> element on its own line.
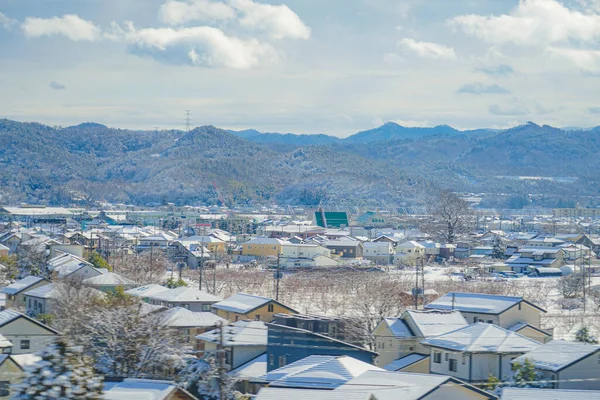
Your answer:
<point x="187" y="120"/>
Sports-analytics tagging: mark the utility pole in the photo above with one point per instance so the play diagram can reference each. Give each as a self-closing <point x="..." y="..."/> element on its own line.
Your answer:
<point x="221" y="355"/>
<point x="277" y="280"/>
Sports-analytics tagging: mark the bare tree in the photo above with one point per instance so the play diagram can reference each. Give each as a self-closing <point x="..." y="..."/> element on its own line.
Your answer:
<point x="144" y="268"/>
<point x="450" y="217"/>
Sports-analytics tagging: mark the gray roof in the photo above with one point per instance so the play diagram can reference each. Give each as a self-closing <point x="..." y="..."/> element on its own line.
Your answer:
<point x="240" y="333"/>
<point x="475" y="303"/>
<point x="146" y="291"/>
<point x="483" y="338"/>
<point x="317" y="372"/>
<point x="548" y="394"/>
<point x="241" y="303"/>
<point x="179" y="317"/>
<point x="399" y="328"/>
<point x="21" y="285"/>
<point x="185" y="295"/>
<point x="558" y="354"/>
<point x="436" y="322"/>
<point x="268" y="393"/>
<point x="108" y="279"/>
<point x="405" y="361"/>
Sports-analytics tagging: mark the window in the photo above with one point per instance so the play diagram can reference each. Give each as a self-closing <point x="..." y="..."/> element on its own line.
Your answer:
<point x="6" y="350"/>
<point x="257" y="317"/>
<point x="474" y="319"/>
<point x="271" y="359"/>
<point x="411" y="348"/>
<point x="437" y="357"/>
<point x="382" y="345"/>
<point x="186" y="334"/>
<point x="237" y="318"/>
<point x="452" y="365"/>
<point x="282" y="361"/>
<point x="25" y="344"/>
<point x="205" y="307"/>
<point x="519" y="306"/>
<point x="489" y="321"/>
<point x="464" y="359"/>
<point x="270" y="307"/>
<point x="29" y="306"/>
<point x="228" y="357"/>
<point x="4" y="388"/>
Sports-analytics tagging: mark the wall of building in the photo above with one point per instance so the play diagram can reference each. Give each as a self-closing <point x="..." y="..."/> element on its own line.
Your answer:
<point x="452" y="391"/>
<point x="260" y="314"/>
<point x="514" y="315"/>
<point x="10" y="372"/>
<point x="23" y="329"/>
<point x="588" y="368"/>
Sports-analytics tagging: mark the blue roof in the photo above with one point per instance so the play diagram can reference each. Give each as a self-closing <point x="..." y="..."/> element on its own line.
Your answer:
<point x="474" y="302"/>
<point x="404" y="362"/>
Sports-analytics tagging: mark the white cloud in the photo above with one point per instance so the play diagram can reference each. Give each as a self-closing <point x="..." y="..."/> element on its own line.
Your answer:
<point x="6" y="22"/>
<point x="587" y="60"/>
<point x="69" y="25"/>
<point x="533" y="22"/>
<point x="180" y="12"/>
<point x="427" y="49"/>
<point x="277" y="21"/>
<point x="202" y="46"/>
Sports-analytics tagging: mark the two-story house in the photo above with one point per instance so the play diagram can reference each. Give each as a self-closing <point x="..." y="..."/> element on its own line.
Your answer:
<point x="381" y="253"/>
<point x="345" y="248"/>
<point x="409" y="252"/>
<point x="476" y="352"/>
<point x="248" y="307"/>
<point x="262" y="247"/>
<point x="186" y="297"/>
<point x="512" y="313"/>
<point x="15" y="292"/>
<point x="542" y="257"/>
<point x="26" y="334"/>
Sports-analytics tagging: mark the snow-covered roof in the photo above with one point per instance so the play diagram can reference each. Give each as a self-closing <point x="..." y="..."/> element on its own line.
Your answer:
<point x="483" y="338"/>
<point x="4" y="342"/>
<point x="240" y="333"/>
<point x="179" y="317"/>
<point x="25" y="360"/>
<point x="398" y="328"/>
<point x="558" y="354"/>
<point x="317" y="372"/>
<point x="404" y="362"/>
<point x="8" y="315"/>
<point x="43" y="292"/>
<point x="510" y="393"/>
<point x="436" y="322"/>
<point x="242" y="303"/>
<point x="268" y="393"/>
<point x="138" y="389"/>
<point x="146" y="290"/>
<point x="108" y="279"/>
<point x="475" y="303"/>
<point x="264" y="240"/>
<point x="21" y="285"/>
<point x="252" y="369"/>
<point x="186" y="295"/>
<point x="387" y="385"/>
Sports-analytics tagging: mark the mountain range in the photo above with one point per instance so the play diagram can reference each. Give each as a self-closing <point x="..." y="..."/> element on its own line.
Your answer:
<point x="526" y="165"/>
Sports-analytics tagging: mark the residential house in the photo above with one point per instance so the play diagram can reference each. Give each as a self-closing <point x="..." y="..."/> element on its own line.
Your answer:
<point x="10" y="373"/>
<point x="146" y="389"/>
<point x="447" y="251"/>
<point x="262" y="247"/>
<point x="287" y="345"/>
<point x="160" y="240"/>
<point x="40" y="300"/>
<point x="15" y="292"/>
<point x="385" y="385"/>
<point x="577" y="254"/>
<point x="345" y="248"/>
<point x="322" y="324"/>
<point x="193" y="253"/>
<point x="291" y="250"/>
<point x="27" y="334"/>
<point x="245" y="306"/>
<point x="242" y="341"/>
<point x="66" y="265"/>
<point x="528" y="257"/>
<point x="476" y="352"/>
<point x="544" y="242"/>
<point x="432" y="249"/>
<point x="505" y="311"/>
<point x="409" y="251"/>
<point x="186" y="297"/>
<point x="513" y="393"/>
<point x="384" y="238"/>
<point x="188" y="324"/>
<point x="570" y="365"/>
<point x="146" y="291"/>
<point x="396" y="338"/>
<point x="109" y="282"/>
<point x="381" y="253"/>
<point x="247" y="373"/>
<point x="316" y="372"/>
<point x="212" y="243"/>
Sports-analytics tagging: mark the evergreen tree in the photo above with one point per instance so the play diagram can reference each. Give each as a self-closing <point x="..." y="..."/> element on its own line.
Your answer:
<point x="584" y="335"/>
<point x="498" y="248"/>
<point x="97" y="261"/>
<point x="63" y="373"/>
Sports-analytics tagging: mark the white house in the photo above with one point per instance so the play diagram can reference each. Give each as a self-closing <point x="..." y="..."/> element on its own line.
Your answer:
<point x="379" y="252"/>
<point x="475" y="352"/>
<point x="409" y="251"/>
<point x="26" y="334"/>
<point x="291" y="250"/>
<point x="15" y="291"/>
<point x="573" y="365"/>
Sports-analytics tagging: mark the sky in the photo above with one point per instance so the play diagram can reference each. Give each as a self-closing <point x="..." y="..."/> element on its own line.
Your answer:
<point x="301" y="66"/>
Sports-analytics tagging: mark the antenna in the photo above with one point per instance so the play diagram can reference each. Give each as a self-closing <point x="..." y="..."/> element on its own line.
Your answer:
<point x="187" y="120"/>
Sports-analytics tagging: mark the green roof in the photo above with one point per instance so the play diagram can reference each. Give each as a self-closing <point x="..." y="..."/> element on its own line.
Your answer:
<point x="333" y="219"/>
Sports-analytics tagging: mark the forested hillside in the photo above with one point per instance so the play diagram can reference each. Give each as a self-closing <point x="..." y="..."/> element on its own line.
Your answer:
<point x="391" y="164"/>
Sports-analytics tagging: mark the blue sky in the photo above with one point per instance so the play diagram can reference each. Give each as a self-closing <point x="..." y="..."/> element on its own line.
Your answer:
<point x="303" y="66"/>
